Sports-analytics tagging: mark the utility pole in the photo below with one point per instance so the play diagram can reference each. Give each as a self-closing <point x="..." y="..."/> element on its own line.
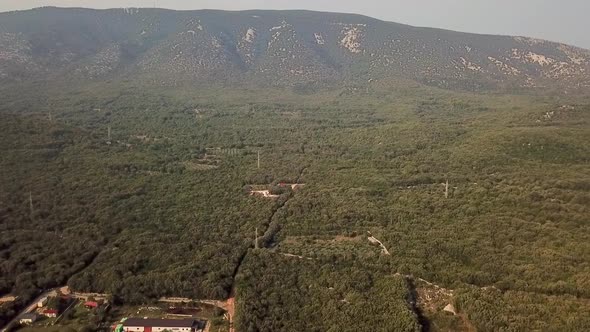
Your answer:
<point x="447" y="189"/>
<point x="256" y="239"/>
<point x="109" y="133"/>
<point x="31" y="202"/>
<point x="258" y="159"/>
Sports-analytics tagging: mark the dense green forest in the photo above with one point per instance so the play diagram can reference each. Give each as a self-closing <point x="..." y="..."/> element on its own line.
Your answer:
<point x="320" y="296"/>
<point x="161" y="208"/>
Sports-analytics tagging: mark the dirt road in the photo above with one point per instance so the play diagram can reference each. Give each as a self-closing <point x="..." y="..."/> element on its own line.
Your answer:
<point x="373" y="239"/>
<point x="231" y="311"/>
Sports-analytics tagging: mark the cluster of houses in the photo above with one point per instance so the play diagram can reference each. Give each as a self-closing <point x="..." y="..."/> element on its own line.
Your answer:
<point x="54" y="306"/>
<point x="43" y="310"/>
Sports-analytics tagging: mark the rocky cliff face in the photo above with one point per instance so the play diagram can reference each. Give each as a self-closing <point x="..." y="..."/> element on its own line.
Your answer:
<point x="272" y="48"/>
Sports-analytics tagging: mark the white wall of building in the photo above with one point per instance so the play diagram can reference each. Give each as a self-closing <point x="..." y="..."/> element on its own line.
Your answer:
<point x="159" y="329"/>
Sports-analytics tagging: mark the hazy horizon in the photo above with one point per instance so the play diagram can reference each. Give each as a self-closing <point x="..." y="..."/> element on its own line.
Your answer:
<point x="563" y="21"/>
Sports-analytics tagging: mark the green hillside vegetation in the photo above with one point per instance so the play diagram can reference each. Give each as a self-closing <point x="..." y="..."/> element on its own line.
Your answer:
<point x="136" y="219"/>
<point x="493" y="310"/>
<point x="327" y="295"/>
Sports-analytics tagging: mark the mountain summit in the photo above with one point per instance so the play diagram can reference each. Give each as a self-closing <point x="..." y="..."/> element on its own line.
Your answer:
<point x="272" y="48"/>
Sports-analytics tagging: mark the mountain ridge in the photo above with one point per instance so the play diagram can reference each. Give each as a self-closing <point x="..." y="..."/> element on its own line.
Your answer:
<point x="273" y="47"/>
<point x="302" y="11"/>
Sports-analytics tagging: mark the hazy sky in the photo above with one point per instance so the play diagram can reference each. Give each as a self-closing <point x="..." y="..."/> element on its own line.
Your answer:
<point x="559" y="20"/>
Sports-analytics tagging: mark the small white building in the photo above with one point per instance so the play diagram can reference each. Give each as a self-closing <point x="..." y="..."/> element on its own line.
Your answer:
<point x="28" y="319"/>
<point x="42" y="302"/>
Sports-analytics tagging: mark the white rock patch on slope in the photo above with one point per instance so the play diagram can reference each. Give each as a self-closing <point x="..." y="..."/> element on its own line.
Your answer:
<point x="352" y="39"/>
<point x="130" y="11"/>
<point x="450" y="308"/>
<point x="516" y="54"/>
<point x="574" y="54"/>
<point x="250" y="35"/>
<point x="505" y="68"/>
<point x="469" y="65"/>
<point x="539" y="59"/>
<point x="284" y="24"/>
<point x="563" y="70"/>
<point x="246" y="44"/>
<point x="319" y="39"/>
<point x="576" y="60"/>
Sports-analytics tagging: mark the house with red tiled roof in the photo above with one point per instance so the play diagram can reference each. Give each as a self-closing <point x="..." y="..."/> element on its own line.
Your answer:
<point x="51" y="313"/>
<point x="91" y="304"/>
